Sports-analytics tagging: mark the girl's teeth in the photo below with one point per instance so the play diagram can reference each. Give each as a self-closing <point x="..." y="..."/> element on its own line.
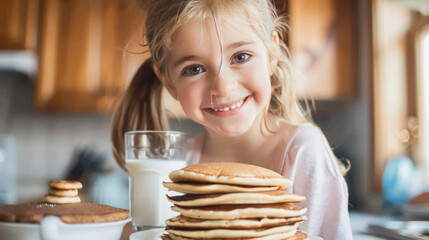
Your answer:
<point x="233" y="106"/>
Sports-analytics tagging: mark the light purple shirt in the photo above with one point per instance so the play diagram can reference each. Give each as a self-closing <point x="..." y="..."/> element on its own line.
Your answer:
<point x="304" y="156"/>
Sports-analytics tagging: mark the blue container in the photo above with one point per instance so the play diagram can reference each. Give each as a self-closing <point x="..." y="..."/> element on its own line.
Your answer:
<point x="397" y="179"/>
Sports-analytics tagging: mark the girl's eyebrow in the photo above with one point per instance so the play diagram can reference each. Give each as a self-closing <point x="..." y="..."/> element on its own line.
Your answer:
<point x="239" y="44"/>
<point x="184" y="59"/>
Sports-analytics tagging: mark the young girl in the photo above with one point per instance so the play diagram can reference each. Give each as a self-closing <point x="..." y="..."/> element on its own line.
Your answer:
<point x="227" y="65"/>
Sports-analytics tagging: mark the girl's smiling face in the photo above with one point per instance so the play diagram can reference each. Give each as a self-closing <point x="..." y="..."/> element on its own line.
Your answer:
<point x="220" y="74"/>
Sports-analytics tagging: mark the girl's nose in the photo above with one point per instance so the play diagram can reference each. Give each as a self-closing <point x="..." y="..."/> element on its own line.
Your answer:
<point x="223" y="84"/>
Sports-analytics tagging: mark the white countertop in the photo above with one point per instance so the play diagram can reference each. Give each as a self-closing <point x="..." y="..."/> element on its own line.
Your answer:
<point x="360" y="221"/>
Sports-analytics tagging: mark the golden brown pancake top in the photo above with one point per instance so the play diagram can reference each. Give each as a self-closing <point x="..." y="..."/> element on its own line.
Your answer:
<point x="231" y="169"/>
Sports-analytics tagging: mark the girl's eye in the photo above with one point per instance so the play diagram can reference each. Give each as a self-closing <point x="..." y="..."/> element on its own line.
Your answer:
<point x="192" y="70"/>
<point x="241" y="58"/>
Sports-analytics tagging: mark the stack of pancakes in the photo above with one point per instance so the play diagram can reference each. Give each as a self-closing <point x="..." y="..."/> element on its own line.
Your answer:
<point x="232" y="201"/>
<point x="63" y="191"/>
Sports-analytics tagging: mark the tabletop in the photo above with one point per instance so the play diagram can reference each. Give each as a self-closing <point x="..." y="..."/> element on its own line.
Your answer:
<point x="359" y="222"/>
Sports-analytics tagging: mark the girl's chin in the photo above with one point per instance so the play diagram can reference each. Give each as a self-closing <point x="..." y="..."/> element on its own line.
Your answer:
<point x="231" y="131"/>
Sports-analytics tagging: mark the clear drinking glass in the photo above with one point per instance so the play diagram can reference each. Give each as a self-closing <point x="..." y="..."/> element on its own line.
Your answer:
<point x="150" y="157"/>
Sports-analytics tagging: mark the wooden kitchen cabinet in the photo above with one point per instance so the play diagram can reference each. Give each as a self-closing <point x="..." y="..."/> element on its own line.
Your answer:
<point x="84" y="67"/>
<point x="323" y="41"/>
<point x="18" y="24"/>
<point x="85" y="62"/>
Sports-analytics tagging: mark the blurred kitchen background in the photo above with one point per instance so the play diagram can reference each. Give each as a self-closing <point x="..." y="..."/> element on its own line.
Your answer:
<point x="65" y="63"/>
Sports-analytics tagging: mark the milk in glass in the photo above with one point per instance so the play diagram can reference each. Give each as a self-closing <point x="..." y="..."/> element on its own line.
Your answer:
<point x="150" y="157"/>
<point x="149" y="205"/>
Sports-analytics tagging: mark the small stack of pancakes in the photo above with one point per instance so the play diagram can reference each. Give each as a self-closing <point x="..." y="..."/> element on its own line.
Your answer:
<point x="232" y="201"/>
<point x="63" y="191"/>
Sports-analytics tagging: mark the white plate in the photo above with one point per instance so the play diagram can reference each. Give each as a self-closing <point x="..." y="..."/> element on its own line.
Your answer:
<point x="155" y="234"/>
<point x="148" y="234"/>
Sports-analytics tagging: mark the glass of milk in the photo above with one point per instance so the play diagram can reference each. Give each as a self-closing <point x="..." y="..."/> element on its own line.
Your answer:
<point x="150" y="157"/>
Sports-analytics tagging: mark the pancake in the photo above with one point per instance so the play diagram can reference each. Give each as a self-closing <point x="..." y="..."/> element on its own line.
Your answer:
<point x="204" y="188"/>
<point x="297" y="236"/>
<point x="192" y="223"/>
<point x="276" y="196"/>
<point x="276" y="236"/>
<point x="60" y="200"/>
<point x="229" y="173"/>
<point x="63" y="193"/>
<point x="233" y="233"/>
<point x="64" y="184"/>
<point x="68" y="213"/>
<point x="278" y="210"/>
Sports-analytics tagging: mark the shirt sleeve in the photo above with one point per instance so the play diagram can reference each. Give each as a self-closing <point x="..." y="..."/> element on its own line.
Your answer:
<point x="312" y="166"/>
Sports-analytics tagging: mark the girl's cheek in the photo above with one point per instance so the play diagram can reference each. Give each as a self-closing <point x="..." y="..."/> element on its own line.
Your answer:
<point x="190" y="95"/>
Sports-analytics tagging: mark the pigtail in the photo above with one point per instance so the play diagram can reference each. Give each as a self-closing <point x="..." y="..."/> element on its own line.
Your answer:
<point x="141" y="108"/>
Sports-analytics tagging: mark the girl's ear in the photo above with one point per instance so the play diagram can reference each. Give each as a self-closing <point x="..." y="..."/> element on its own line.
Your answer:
<point x="273" y="59"/>
<point x="170" y="88"/>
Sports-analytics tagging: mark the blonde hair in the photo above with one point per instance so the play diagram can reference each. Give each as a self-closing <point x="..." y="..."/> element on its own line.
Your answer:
<point x="142" y="107"/>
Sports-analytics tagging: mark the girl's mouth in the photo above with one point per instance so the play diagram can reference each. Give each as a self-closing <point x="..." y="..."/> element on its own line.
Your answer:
<point x="227" y="109"/>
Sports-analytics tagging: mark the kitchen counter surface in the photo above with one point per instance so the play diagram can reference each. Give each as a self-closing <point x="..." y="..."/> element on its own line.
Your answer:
<point x="360" y="222"/>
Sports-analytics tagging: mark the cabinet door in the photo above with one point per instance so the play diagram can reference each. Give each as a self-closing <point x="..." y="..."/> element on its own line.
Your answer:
<point x="84" y="62"/>
<point x="322" y="44"/>
<point x="18" y="24"/>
